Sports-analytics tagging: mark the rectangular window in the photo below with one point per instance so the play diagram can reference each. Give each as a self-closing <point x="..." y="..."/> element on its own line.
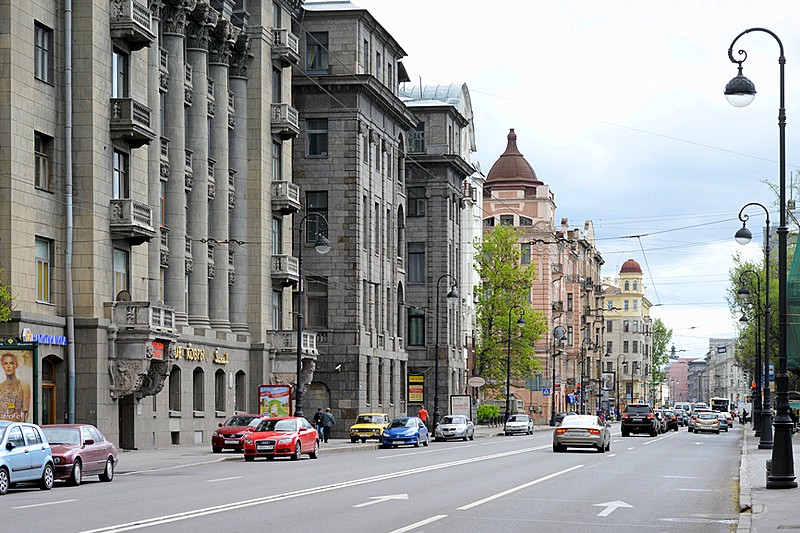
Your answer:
<point x="365" y="147"/>
<point x="277" y="161"/>
<point x="416" y="327"/>
<point x="277" y="310"/>
<point x="609" y="326"/>
<point x="506" y="220"/>
<point x="44" y="258"/>
<point x="570" y="303"/>
<point x="277" y="235"/>
<point x="277" y="85"/>
<point x="626" y="326"/>
<point x="43" y="153"/>
<point x="316" y="202"/>
<point x="390" y="76"/>
<point x="570" y="336"/>
<point x="317" y="136"/>
<point x="625" y="305"/>
<point x="416" y="202"/>
<point x="609" y="347"/>
<point x="525" y="221"/>
<point x="317" y="293"/>
<point x="119" y="76"/>
<point x="488" y="222"/>
<point x="43" y="53"/>
<point x="525" y="253"/>
<point x="416" y="139"/>
<point x="636" y="326"/>
<point x="625" y="346"/>
<point x="120" y="178"/>
<point x="636" y="305"/>
<point x="378" y="67"/>
<point x="365" y="57"/>
<point x="635" y="346"/>
<point x="416" y="262"/>
<point x="317" y="52"/>
<point x="121" y="278"/>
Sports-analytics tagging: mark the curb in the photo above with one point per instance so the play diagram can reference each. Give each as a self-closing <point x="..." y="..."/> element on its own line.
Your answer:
<point x="745" y="490"/>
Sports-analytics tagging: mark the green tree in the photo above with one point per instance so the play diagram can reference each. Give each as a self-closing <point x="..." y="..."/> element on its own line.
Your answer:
<point x="662" y="335"/>
<point x="505" y="292"/>
<point x="6" y="298"/>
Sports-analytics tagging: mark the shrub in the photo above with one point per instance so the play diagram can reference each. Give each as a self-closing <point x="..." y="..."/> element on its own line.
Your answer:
<point x="487" y="411"/>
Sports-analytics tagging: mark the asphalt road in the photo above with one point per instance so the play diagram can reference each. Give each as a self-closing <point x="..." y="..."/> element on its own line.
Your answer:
<point x="673" y="482"/>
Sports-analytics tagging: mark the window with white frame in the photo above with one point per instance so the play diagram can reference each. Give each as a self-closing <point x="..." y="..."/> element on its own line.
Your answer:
<point x="277" y="310"/>
<point x="317" y="136"/>
<point x="44" y="257"/>
<point x="277" y="161"/>
<point x="43" y="53"/>
<point x="43" y="153"/>
<point x="119" y="74"/>
<point x="121" y="275"/>
<point x="120" y="185"/>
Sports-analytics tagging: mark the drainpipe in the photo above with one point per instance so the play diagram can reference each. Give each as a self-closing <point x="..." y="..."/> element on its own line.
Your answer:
<point x="70" y="313"/>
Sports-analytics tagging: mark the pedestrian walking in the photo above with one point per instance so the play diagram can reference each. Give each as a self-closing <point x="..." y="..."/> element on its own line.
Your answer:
<point x="328" y="421"/>
<point x="423" y="415"/>
<point x="318" y="424"/>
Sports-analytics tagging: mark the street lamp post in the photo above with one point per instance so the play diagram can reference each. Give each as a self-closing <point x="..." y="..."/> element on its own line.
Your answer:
<point x="520" y="323"/>
<point x="323" y="246"/>
<point x="452" y="295"/>
<point x="740" y="91"/>
<point x="559" y="332"/>
<point x="743" y="236"/>
<point x="743" y="291"/>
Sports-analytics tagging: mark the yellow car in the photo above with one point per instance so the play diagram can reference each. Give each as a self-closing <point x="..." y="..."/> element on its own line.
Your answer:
<point x="368" y="426"/>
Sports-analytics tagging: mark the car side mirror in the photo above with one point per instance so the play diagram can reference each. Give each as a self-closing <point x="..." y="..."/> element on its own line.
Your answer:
<point x="87" y="442"/>
<point x="10" y="446"/>
<point x="303" y="429"/>
<point x="219" y="425"/>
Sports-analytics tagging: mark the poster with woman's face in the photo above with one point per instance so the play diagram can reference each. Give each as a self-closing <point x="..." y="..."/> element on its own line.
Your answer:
<point x="15" y="385"/>
<point x="608" y="381"/>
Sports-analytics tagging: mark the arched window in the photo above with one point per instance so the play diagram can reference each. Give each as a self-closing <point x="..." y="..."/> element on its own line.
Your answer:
<point x="219" y="390"/>
<point x="627" y="286"/>
<point x="241" y="391"/>
<point x="175" y="388"/>
<point x="198" y="394"/>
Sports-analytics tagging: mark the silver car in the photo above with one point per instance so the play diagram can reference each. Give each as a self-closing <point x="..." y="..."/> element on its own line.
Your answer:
<point x="582" y="431"/>
<point x="518" y="424"/>
<point x="454" y="427"/>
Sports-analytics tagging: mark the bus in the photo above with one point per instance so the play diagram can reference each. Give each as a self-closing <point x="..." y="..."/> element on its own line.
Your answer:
<point x="720" y="404"/>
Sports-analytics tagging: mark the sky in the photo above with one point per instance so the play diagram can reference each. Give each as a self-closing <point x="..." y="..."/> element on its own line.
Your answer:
<point x="619" y="108"/>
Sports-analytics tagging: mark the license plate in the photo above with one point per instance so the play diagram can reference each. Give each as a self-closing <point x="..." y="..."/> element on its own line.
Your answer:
<point x="231" y="441"/>
<point x="265" y="448"/>
<point x="575" y="431"/>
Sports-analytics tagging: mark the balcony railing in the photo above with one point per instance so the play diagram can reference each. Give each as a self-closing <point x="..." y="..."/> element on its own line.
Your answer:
<point x="286" y="342"/>
<point x="285" y="197"/>
<point x="131" y="220"/>
<point x="144" y="316"/>
<point x="285" y="47"/>
<point x="132" y="22"/>
<point x="130" y="121"/>
<point x="285" y="270"/>
<point x="285" y="121"/>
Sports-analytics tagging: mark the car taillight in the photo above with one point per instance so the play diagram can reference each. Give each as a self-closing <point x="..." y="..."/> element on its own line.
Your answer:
<point x="650" y="415"/>
<point x="560" y="431"/>
<point x="624" y="415"/>
<point x="594" y="431"/>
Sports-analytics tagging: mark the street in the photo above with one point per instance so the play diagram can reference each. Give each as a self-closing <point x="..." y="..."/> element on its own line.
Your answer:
<point x="676" y="481"/>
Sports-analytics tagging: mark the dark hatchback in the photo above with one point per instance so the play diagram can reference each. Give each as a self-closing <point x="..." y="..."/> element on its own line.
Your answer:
<point x="639" y="418"/>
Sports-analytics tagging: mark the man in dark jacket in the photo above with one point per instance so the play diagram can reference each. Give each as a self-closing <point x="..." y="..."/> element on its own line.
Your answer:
<point x="318" y="424"/>
<point x="328" y="421"/>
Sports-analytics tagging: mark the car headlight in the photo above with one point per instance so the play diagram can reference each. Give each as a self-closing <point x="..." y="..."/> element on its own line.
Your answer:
<point x="285" y="440"/>
<point x="57" y="460"/>
<point x="248" y="441"/>
<point x="215" y="434"/>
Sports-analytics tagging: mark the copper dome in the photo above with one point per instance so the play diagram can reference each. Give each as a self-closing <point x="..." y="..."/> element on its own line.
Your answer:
<point x="511" y="168"/>
<point x="630" y="267"/>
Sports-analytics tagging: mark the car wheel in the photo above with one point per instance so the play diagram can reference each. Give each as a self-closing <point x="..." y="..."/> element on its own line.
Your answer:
<point x="625" y="433"/>
<point x="46" y="483"/>
<point x="353" y="440"/>
<point x="314" y="454"/>
<point x="297" y="450"/>
<point x="465" y="437"/>
<point x="416" y="442"/>
<point x="77" y="474"/>
<point x="507" y="433"/>
<point x="216" y="450"/>
<point x="4" y="484"/>
<point x="108" y="473"/>
<point x="601" y="448"/>
<point x="427" y="440"/>
<point x="249" y="458"/>
<point x="717" y="432"/>
<point x="608" y="446"/>
<point x="653" y="433"/>
<point x="363" y="440"/>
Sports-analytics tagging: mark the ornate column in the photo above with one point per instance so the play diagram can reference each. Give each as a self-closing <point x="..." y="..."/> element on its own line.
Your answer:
<point x="200" y="23"/>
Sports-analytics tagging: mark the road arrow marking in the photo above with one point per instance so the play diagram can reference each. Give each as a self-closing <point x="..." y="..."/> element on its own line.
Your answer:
<point x="610" y="507"/>
<point x="379" y="499"/>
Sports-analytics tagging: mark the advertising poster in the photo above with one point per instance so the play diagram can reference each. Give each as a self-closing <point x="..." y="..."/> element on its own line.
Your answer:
<point x="16" y="399"/>
<point x="275" y="400"/>
<point x="609" y="381"/>
<point x="461" y="404"/>
<point x="416" y="388"/>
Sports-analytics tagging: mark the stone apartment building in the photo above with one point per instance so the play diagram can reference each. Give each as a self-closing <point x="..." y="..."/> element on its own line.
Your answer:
<point x="726" y="379"/>
<point x="146" y="177"/>
<point x="566" y="289"/>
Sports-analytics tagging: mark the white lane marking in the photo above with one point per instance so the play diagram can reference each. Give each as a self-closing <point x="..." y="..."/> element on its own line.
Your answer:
<point x="697" y="490"/>
<point x="166" y="519"/>
<point x="419" y="524"/>
<point x="612" y="455"/>
<point x="649" y="442"/>
<point x="380" y="499"/>
<point x="176" y="467"/>
<point x="515" y="489"/>
<point x="610" y="507"/>
<point x="223" y="479"/>
<point x="632" y="448"/>
<point x="681" y="477"/>
<point x="43" y="504"/>
<point x="402" y="454"/>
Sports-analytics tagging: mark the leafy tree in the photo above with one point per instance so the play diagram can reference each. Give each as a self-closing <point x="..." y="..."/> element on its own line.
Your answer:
<point x="661" y="339"/>
<point x="6" y="298"/>
<point x="505" y="293"/>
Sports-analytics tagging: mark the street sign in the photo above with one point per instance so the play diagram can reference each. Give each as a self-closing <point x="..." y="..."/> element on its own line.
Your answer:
<point x="476" y="381"/>
<point x="545" y="391"/>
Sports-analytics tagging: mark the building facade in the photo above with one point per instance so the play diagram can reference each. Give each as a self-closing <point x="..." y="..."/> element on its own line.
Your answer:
<point x="726" y="379"/>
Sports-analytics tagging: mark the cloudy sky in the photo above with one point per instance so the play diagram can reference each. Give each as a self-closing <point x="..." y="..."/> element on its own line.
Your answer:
<point x="619" y="108"/>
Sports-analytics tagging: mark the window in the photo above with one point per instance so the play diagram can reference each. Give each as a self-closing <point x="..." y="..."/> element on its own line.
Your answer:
<point x="277" y="86"/>
<point x="609" y="347"/>
<point x="416" y="139"/>
<point x="416" y="327"/>
<point x="43" y="153"/>
<point x="570" y="336"/>
<point x="175" y="388"/>
<point x="610" y="305"/>
<point x="390" y="76"/>
<point x="627" y="285"/>
<point x="316" y="202"/>
<point x="569" y="302"/>
<point x="366" y="56"/>
<point x="317" y="52"/>
<point x="488" y="222"/>
<point x="525" y="221"/>
<point x="525" y="253"/>
<point x="277" y="310"/>
<point x="120" y="177"/>
<point x="198" y="394"/>
<point x="609" y="326"/>
<point x="636" y="326"/>
<point x="416" y="262"/>
<point x="635" y="284"/>
<point x="317" y="293"/>
<point x="119" y="76"/>
<point x="219" y="390"/>
<point x="277" y="235"/>
<point x="378" y="67"/>
<point x="506" y="220"/>
<point x="120" y="272"/>
<point x="635" y="346"/>
<point x="44" y="257"/>
<point x="416" y="202"/>
<point x="43" y="53"/>
<point x="625" y="305"/>
<point x="365" y="147"/>
<point x="241" y="391"/>
<point x="277" y="161"/>
<point x="317" y="136"/>
<point x="636" y="305"/>
<point x="626" y="328"/>
<point x="625" y="346"/>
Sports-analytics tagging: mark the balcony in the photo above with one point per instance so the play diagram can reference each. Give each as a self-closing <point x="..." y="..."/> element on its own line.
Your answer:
<point x="132" y="22"/>
<point x="285" y="47"/>
<point x="285" y="197"/>
<point x="285" y="270"/>
<point x="131" y="220"/>
<point x="285" y="342"/>
<point x="285" y="121"/>
<point x="130" y="121"/>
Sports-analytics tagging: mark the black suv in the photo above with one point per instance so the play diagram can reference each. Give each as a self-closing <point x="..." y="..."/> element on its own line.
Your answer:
<point x="639" y="418"/>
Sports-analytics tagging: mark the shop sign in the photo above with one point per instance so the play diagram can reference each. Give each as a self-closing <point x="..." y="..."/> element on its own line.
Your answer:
<point x="416" y="388"/>
<point x="188" y="353"/>
<point x="29" y="336"/>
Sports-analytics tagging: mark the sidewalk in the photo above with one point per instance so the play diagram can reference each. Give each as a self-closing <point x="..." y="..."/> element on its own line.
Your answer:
<point x="762" y="509"/>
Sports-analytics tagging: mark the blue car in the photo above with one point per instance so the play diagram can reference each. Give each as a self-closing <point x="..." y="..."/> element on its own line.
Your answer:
<point x="24" y="456"/>
<point x="405" y="430"/>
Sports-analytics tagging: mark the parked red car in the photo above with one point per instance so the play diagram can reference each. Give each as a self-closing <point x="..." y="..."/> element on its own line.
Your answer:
<point x="282" y="435"/>
<point x="232" y="431"/>
<point x="80" y="450"/>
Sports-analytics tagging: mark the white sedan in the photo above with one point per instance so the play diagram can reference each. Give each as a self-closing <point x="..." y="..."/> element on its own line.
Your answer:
<point x="582" y="431"/>
<point x="454" y="427"/>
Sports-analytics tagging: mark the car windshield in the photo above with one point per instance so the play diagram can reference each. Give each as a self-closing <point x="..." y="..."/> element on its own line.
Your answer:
<point x="402" y="423"/>
<point x="369" y="419"/>
<point x="582" y="421"/>
<point x="62" y="435"/>
<point x="240" y="420"/>
<point x="518" y="418"/>
<point x="272" y="424"/>
<point x="454" y="420"/>
<point x="638" y="409"/>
